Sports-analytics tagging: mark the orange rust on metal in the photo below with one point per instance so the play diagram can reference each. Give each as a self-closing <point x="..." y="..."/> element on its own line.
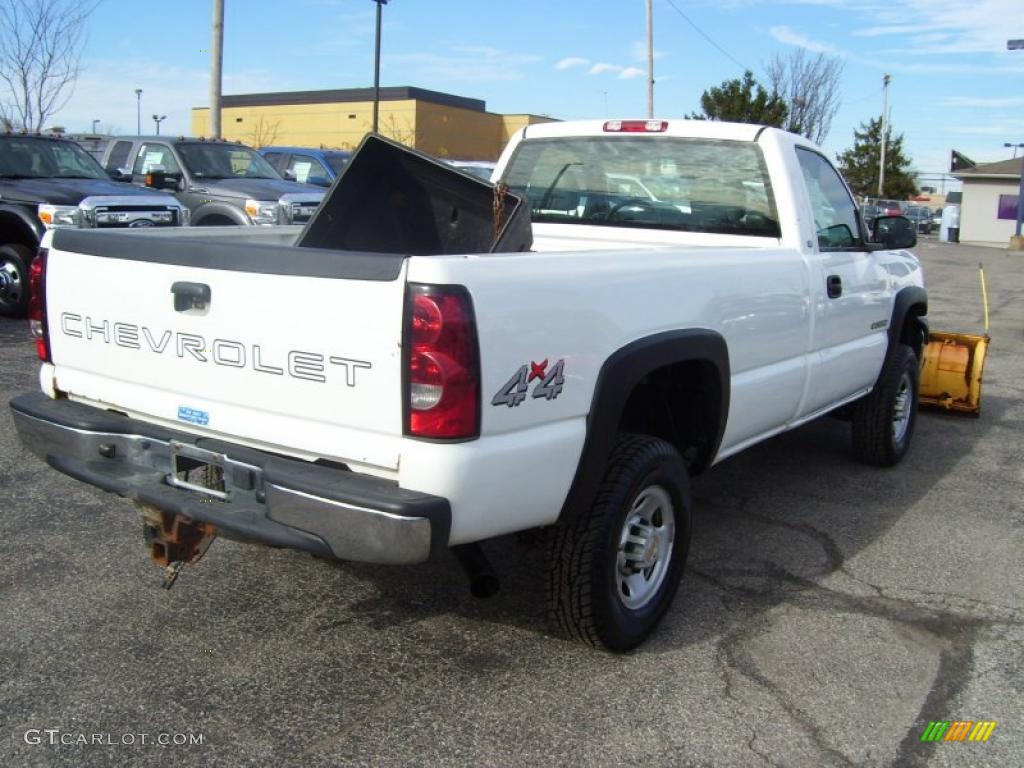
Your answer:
<point x="175" y="538"/>
<point x="498" y="207"/>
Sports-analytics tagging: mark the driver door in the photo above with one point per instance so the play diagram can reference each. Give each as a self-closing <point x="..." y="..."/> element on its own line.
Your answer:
<point x="850" y="295"/>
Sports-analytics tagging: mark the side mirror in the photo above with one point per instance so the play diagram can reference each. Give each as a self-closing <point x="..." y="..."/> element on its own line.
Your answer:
<point x="289" y="176"/>
<point x="119" y="174"/>
<point x="895" y="232"/>
<point x="156" y="179"/>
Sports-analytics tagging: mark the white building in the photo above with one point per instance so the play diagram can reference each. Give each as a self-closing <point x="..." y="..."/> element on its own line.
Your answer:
<point x="988" y="213"/>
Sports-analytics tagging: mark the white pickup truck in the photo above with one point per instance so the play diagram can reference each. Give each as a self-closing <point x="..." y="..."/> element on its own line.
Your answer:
<point x="693" y="288"/>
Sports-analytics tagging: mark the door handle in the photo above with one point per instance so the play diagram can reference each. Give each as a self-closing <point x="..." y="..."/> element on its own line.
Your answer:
<point x="190" y="296"/>
<point x="834" y="286"/>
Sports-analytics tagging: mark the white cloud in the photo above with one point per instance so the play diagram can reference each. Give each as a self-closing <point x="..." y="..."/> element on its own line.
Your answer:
<point x="981" y="26"/>
<point x="973" y="102"/>
<point x="638" y="51"/>
<point x="105" y="91"/>
<point x="572" y="61"/>
<point x="602" y="67"/>
<point x="787" y="36"/>
<point x="630" y="72"/>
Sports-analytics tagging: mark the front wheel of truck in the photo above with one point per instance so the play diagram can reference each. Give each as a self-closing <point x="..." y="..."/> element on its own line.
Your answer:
<point x="614" y="567"/>
<point x="883" y="421"/>
<point x="14" y="263"/>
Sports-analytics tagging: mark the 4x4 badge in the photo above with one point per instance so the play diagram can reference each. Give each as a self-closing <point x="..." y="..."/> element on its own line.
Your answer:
<point x="549" y="386"/>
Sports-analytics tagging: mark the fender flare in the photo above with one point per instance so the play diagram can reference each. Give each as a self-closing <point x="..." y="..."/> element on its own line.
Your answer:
<point x="216" y="208"/>
<point x="618" y="377"/>
<point x="912" y="299"/>
<point x="32" y="228"/>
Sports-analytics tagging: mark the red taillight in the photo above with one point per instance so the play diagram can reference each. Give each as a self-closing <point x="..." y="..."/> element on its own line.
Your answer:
<point x="441" y="363"/>
<point x="37" y="305"/>
<point x="636" y="126"/>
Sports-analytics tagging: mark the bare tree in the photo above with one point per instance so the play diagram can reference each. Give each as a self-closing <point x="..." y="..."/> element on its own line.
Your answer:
<point x="40" y="57"/>
<point x="263" y="133"/>
<point x="810" y="86"/>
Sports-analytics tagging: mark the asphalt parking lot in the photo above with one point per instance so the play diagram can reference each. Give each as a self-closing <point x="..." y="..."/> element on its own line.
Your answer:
<point x="829" y="612"/>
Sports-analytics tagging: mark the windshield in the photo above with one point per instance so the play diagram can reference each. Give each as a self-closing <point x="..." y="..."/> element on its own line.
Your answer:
<point x="689" y="185"/>
<point x="27" y="157"/>
<point x="225" y="161"/>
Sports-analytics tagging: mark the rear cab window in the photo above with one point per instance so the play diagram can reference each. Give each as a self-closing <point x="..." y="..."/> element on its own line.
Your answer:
<point x="118" y="158"/>
<point x="682" y="184"/>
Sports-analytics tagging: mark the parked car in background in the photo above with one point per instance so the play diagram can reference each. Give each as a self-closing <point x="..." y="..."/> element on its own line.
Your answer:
<point x="870" y="213"/>
<point x="922" y="217"/>
<point x="308" y="166"/>
<point x="221" y="182"/>
<point x="48" y="182"/>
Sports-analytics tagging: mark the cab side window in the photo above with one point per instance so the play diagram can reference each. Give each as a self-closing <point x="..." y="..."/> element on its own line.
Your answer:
<point x="305" y="167"/>
<point x="155" y="157"/>
<point x="835" y="214"/>
<point x="119" y="155"/>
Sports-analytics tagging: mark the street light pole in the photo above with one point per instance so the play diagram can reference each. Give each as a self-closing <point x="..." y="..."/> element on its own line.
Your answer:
<point x="138" y="111"/>
<point x="376" y="69"/>
<point x="1018" y="45"/>
<point x="216" y="67"/>
<point x="885" y="131"/>
<point x="158" y="119"/>
<point x="1020" y="188"/>
<point x="94" y="125"/>
<point x="650" y="60"/>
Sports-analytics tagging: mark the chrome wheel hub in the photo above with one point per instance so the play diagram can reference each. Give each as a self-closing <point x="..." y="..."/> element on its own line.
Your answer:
<point x="901" y="409"/>
<point x="10" y="283"/>
<point x="645" y="547"/>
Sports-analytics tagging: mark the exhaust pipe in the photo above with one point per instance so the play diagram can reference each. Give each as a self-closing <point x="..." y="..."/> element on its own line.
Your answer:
<point x="483" y="581"/>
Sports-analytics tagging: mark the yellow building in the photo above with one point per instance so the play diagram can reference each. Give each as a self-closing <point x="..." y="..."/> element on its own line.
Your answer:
<point x="440" y="124"/>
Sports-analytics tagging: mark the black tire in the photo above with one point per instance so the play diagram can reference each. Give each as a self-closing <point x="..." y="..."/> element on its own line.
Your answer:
<point x="584" y="601"/>
<point x="14" y="263"/>
<point x="883" y="421"/>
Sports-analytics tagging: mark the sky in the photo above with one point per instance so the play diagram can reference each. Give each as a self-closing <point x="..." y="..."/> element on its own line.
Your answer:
<point x="954" y="83"/>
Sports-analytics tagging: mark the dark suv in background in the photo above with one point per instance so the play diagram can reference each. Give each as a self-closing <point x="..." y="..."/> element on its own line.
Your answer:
<point x="921" y="215"/>
<point x="221" y="182"/>
<point x="48" y="182"/>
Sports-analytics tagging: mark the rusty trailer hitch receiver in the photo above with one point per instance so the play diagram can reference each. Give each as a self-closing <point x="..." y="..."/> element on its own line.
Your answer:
<point x="174" y="540"/>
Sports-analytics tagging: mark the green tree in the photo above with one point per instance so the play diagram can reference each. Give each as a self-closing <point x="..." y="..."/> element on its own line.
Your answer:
<point x="742" y="101"/>
<point x="859" y="164"/>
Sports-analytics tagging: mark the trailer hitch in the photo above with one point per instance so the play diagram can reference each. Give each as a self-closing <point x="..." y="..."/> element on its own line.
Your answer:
<point x="174" y="540"/>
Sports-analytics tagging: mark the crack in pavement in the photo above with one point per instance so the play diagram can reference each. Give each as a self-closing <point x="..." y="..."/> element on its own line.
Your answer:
<point x="951" y="622"/>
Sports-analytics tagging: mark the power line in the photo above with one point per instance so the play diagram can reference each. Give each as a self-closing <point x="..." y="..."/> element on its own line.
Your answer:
<point x="703" y="34"/>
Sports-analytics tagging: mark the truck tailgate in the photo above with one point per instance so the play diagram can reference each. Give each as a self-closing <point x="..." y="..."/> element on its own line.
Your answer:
<point x="294" y="346"/>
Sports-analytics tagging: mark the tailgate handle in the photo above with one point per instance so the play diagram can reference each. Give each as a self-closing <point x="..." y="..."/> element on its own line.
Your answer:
<point x="190" y="296"/>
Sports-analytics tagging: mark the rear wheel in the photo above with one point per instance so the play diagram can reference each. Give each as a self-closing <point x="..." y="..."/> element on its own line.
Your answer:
<point x="14" y="263"/>
<point x="883" y="421"/>
<point x="614" y="567"/>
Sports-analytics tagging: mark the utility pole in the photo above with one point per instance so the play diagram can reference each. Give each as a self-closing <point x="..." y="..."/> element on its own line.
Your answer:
<point x="650" y="59"/>
<point x="216" y="66"/>
<point x="885" y="132"/>
<point x="376" y="69"/>
<point x="138" y="111"/>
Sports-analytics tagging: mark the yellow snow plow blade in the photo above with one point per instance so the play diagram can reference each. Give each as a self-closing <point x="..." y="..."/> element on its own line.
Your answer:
<point x="951" y="371"/>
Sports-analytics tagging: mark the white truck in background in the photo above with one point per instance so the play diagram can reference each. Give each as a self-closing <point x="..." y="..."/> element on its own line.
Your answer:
<point x="693" y="288"/>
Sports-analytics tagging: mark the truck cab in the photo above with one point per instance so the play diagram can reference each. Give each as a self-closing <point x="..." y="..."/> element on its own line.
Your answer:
<point x="48" y="182"/>
<point x="221" y="182"/>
